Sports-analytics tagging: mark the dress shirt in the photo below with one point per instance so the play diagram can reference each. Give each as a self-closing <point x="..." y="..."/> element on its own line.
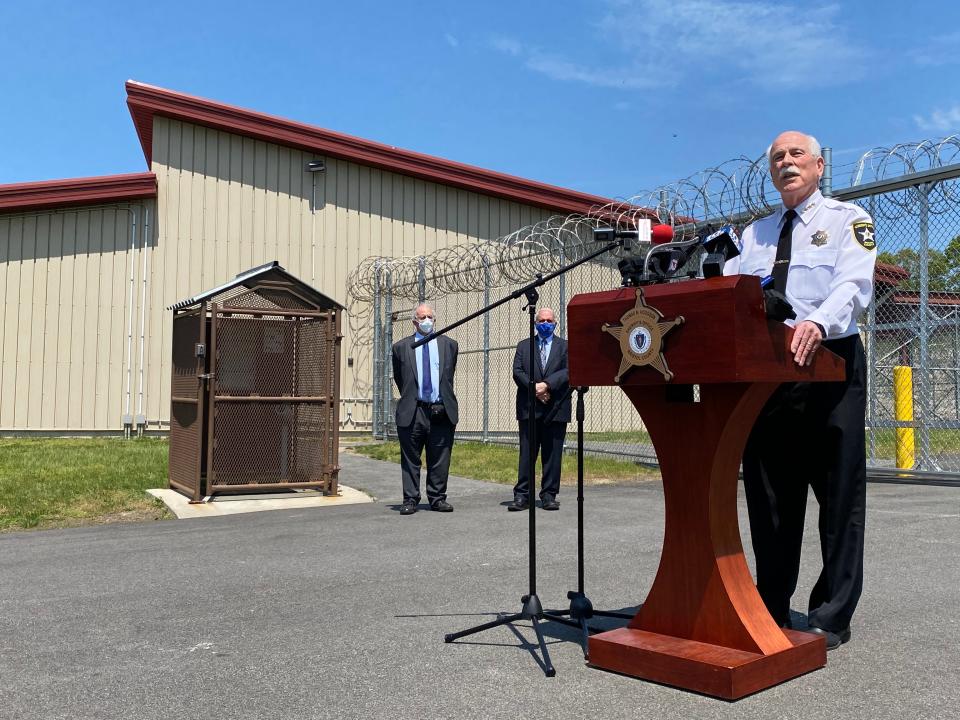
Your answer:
<point x="830" y="279"/>
<point x="434" y="367"/>
<point x="543" y="349"/>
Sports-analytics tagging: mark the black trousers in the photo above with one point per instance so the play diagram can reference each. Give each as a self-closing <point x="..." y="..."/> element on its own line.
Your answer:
<point x="437" y="436"/>
<point x="550" y="436"/>
<point x="811" y="434"/>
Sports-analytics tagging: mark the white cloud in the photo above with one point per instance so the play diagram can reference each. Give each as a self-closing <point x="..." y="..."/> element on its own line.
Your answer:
<point x="451" y="40"/>
<point x="664" y="42"/>
<point x="943" y="121"/>
<point x="508" y="45"/>
<point x="628" y="77"/>
<point x="937" y="50"/>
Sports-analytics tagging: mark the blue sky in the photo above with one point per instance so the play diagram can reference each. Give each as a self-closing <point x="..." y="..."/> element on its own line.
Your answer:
<point x="610" y="97"/>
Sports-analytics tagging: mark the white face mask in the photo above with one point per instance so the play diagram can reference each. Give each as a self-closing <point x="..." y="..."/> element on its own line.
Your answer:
<point x="425" y="325"/>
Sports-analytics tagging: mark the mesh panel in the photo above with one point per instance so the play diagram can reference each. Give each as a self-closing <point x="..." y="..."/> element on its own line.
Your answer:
<point x="255" y="356"/>
<point x="912" y="333"/>
<point x="280" y="441"/>
<point x="265" y="298"/>
<point x="185" y="443"/>
<point x="270" y="442"/>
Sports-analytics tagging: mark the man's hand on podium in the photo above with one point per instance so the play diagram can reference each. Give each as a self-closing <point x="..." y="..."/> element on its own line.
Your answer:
<point x="806" y="339"/>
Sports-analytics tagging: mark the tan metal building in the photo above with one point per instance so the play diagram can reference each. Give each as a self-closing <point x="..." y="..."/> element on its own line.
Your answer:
<point x="88" y="266"/>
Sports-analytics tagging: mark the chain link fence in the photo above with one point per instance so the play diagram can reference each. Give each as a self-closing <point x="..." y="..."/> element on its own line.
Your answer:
<point x="911" y="331"/>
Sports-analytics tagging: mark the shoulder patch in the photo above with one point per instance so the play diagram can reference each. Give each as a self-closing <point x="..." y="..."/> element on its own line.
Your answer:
<point x="864" y="235"/>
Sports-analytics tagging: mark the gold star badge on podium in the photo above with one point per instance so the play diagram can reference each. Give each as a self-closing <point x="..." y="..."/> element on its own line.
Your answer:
<point x="640" y="334"/>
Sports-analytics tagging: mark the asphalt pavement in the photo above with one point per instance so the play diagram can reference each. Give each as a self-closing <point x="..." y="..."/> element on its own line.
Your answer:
<point x="340" y="612"/>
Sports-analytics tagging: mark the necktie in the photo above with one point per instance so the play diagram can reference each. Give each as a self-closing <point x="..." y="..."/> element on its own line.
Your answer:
<point x="427" y="383"/>
<point x="784" y="245"/>
<point x="543" y="355"/>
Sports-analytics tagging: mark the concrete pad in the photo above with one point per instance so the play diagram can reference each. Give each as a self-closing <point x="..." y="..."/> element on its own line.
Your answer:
<point x="234" y="504"/>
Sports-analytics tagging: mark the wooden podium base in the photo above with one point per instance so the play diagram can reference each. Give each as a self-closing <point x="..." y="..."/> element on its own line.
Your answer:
<point x="709" y="669"/>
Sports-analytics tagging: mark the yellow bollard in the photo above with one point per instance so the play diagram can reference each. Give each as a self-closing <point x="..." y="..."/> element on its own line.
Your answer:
<point x="903" y="412"/>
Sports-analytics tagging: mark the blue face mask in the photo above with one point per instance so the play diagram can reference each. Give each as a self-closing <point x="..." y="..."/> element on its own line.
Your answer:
<point x="545" y="329"/>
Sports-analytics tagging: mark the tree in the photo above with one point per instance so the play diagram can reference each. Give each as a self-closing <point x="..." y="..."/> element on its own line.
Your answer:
<point x="943" y="267"/>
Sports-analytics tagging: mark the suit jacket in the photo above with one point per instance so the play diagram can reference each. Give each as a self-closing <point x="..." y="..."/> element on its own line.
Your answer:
<point x="406" y="378"/>
<point x="555" y="375"/>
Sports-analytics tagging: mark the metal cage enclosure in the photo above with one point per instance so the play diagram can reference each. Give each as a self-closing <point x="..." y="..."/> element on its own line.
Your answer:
<point x="255" y="387"/>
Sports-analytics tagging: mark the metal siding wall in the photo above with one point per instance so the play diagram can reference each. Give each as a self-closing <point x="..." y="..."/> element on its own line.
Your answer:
<point x="225" y="203"/>
<point x="63" y="330"/>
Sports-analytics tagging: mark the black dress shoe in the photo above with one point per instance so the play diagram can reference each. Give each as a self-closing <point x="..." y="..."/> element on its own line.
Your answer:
<point x="408" y="508"/>
<point x="441" y="506"/>
<point x="834" y="639"/>
<point x="518" y="504"/>
<point x="550" y="505"/>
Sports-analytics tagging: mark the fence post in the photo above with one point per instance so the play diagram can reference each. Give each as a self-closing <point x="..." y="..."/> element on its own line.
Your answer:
<point x="871" y="361"/>
<point x="956" y="374"/>
<point x="486" y="350"/>
<point x="826" y="180"/>
<point x="562" y="310"/>
<point x="422" y="278"/>
<point x="378" y="355"/>
<point x="388" y="343"/>
<point x="924" y="462"/>
<point x="871" y="379"/>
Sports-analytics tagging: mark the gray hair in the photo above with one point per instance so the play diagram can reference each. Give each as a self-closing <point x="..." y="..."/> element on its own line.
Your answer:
<point x="813" y="145"/>
<point x="413" y="313"/>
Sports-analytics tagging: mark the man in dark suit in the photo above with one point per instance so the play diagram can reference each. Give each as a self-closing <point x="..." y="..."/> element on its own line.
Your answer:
<point x="426" y="412"/>
<point x="552" y="410"/>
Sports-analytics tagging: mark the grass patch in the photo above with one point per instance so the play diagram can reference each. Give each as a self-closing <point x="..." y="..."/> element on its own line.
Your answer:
<point x="627" y="437"/>
<point x="498" y="463"/>
<point x="47" y="483"/>
<point x="942" y="442"/>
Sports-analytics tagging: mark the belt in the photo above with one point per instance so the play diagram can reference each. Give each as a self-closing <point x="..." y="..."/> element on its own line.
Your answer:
<point x="426" y="403"/>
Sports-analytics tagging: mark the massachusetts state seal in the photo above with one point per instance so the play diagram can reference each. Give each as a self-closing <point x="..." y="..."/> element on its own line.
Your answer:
<point x="640" y="333"/>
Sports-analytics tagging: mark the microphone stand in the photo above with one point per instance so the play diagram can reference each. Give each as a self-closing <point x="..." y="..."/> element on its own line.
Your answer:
<point x="581" y="609"/>
<point x="531" y="609"/>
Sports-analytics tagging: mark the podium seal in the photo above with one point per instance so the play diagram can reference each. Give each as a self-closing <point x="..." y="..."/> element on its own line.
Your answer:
<point x="640" y="333"/>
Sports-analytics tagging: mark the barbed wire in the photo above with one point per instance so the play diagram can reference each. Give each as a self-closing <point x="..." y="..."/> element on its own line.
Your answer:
<point x="736" y="192"/>
<point x="889" y="163"/>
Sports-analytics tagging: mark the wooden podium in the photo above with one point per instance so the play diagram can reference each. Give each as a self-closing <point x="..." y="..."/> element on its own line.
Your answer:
<point x="703" y="626"/>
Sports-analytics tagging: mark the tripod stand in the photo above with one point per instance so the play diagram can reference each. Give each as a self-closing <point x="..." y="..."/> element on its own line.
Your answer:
<point x="531" y="608"/>
<point x="581" y="609"/>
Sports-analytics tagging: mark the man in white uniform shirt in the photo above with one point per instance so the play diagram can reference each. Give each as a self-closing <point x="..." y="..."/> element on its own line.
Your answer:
<point x="821" y="254"/>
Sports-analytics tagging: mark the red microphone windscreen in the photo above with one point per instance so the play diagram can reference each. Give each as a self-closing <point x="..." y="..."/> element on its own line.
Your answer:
<point x="660" y="234"/>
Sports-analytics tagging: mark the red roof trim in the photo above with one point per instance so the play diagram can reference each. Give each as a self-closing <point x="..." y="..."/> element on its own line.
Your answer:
<point x="146" y="102"/>
<point x="77" y="191"/>
<point x="934" y="297"/>
<point x="890" y="274"/>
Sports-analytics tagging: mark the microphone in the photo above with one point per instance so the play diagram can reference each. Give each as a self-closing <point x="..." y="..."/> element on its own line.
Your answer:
<point x="667" y="256"/>
<point x="632" y="266"/>
<point x="775" y="304"/>
<point x="720" y="247"/>
<point x="640" y="235"/>
<point x="660" y="234"/>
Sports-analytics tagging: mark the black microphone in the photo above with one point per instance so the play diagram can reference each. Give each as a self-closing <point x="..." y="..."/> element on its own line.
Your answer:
<point x="720" y="247"/>
<point x="775" y="303"/>
<point x="667" y="257"/>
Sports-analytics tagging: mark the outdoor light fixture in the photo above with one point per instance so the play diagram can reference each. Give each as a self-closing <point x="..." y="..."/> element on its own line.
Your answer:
<point x="316" y="166"/>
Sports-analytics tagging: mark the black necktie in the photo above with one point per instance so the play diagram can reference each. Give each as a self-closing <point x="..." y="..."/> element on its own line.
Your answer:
<point x="784" y="245"/>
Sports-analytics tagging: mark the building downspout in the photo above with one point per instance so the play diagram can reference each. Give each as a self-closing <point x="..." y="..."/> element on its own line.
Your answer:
<point x="141" y="419"/>
<point x="127" y="417"/>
